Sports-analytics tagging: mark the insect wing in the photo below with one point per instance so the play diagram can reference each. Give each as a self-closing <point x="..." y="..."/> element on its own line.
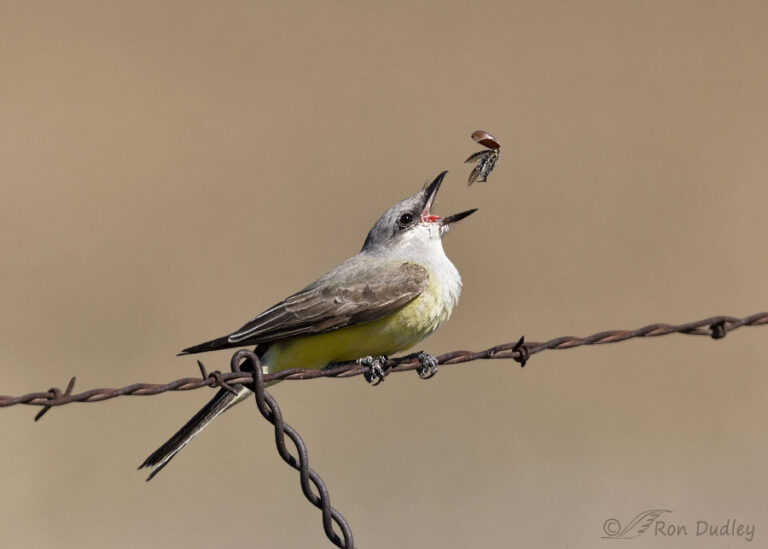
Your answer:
<point x="474" y="174"/>
<point x="478" y="156"/>
<point x="485" y="139"/>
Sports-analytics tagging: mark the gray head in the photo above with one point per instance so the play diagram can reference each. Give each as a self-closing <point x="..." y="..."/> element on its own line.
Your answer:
<point x="410" y="222"/>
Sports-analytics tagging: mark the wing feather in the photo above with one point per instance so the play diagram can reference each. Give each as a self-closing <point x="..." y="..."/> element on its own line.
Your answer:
<point x="359" y="290"/>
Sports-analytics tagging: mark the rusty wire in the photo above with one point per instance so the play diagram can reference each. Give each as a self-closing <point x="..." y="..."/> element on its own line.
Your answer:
<point x="271" y="411"/>
<point x="715" y="327"/>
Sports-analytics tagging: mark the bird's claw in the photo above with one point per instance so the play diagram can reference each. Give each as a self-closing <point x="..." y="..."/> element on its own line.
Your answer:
<point x="428" y="365"/>
<point x="375" y="373"/>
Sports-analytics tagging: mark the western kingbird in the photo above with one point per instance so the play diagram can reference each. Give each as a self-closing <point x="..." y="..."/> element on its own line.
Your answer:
<point x="390" y="296"/>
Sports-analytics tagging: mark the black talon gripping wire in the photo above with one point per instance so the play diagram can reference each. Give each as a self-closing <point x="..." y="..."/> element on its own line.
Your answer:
<point x="271" y="411"/>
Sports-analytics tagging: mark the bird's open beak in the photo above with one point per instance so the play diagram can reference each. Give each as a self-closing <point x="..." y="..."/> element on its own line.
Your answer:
<point x="431" y="192"/>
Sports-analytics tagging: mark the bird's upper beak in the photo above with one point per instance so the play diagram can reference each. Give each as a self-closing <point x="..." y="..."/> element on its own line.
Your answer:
<point x="430" y="193"/>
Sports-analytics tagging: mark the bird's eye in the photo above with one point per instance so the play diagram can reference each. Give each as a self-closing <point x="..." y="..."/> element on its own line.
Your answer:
<point x="406" y="219"/>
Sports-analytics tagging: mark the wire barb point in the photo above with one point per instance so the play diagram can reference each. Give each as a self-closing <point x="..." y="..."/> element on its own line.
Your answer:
<point x="718" y="329"/>
<point x="56" y="395"/>
<point x="216" y="379"/>
<point x="520" y="352"/>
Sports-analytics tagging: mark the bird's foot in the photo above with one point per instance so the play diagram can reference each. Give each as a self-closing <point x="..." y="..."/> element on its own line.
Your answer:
<point x="375" y="365"/>
<point x="428" y="365"/>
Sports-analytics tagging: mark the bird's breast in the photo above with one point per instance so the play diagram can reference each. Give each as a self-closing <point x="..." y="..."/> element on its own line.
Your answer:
<point x="386" y="336"/>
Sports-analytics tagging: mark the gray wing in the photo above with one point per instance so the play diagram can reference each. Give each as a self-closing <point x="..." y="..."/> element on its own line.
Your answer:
<point x="359" y="290"/>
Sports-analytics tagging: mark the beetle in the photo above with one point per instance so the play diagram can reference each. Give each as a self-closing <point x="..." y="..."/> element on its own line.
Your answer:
<point x="486" y="160"/>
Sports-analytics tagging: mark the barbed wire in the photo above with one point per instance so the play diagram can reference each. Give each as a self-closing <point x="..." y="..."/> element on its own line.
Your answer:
<point x="715" y="327"/>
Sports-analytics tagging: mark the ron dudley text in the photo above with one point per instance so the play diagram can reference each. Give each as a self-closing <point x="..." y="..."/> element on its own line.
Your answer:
<point x="729" y="528"/>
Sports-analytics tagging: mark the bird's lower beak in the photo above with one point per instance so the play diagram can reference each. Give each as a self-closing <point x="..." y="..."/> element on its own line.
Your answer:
<point x="458" y="217"/>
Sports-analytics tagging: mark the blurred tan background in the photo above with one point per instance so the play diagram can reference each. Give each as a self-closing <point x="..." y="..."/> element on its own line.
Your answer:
<point x="167" y="171"/>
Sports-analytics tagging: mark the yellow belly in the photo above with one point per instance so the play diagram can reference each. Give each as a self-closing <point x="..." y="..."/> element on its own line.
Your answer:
<point x="385" y="336"/>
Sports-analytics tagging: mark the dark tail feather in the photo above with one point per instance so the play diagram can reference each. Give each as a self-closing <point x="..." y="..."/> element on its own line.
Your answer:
<point x="212" y="345"/>
<point x="208" y="413"/>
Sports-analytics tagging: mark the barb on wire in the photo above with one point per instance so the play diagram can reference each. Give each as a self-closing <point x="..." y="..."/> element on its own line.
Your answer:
<point x="520" y="351"/>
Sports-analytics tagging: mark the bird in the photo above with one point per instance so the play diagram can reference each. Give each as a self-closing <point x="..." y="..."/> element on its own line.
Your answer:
<point x="395" y="292"/>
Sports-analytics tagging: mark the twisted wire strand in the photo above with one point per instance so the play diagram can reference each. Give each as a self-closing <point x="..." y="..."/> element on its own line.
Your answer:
<point x="271" y="411"/>
<point x="715" y="327"/>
